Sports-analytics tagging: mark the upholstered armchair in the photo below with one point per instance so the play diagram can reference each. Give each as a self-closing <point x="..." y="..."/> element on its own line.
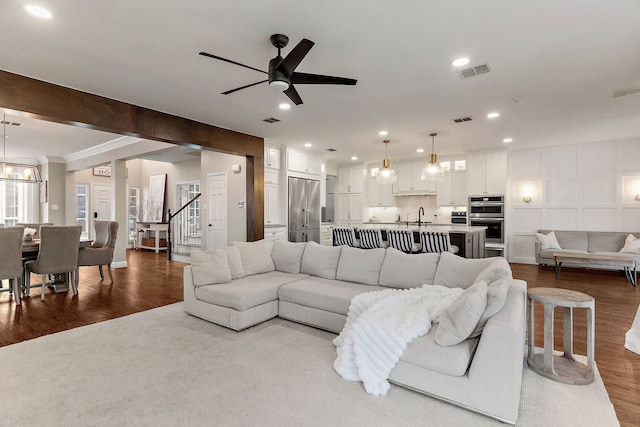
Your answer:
<point x="11" y="259"/>
<point x="101" y="251"/>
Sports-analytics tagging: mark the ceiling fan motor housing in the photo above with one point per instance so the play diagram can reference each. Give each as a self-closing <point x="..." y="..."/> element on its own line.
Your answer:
<point x="277" y="79"/>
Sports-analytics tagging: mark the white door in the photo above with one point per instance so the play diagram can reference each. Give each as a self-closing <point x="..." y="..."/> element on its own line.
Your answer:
<point x="217" y="210"/>
<point x="101" y="206"/>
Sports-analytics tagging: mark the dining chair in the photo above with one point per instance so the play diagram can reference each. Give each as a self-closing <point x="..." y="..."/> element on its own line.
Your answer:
<point x="11" y="259"/>
<point x="436" y="242"/>
<point x="370" y="238"/>
<point x="344" y="236"/>
<point x="101" y="251"/>
<point x="402" y="240"/>
<point x="58" y="254"/>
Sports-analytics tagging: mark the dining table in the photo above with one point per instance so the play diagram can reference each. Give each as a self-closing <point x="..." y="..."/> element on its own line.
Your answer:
<point x="30" y="250"/>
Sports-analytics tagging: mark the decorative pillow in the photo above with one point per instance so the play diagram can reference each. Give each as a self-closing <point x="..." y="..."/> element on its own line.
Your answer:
<point x="496" y="297"/>
<point x="235" y="261"/>
<point x="548" y="241"/>
<point x="401" y="270"/>
<point x="256" y="256"/>
<point x="321" y="261"/>
<point x="457" y="272"/>
<point x="498" y="269"/>
<point x="461" y="317"/>
<point x="631" y="245"/>
<point x="210" y="268"/>
<point x="360" y="265"/>
<point x="287" y="256"/>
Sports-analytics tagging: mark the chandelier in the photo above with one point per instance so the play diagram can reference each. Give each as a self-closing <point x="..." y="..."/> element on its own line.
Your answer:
<point x="432" y="171"/>
<point x="15" y="172"/>
<point x="386" y="175"/>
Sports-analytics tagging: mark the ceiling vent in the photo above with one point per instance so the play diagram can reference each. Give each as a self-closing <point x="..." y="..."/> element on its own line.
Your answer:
<point x="5" y="122"/>
<point x="625" y="92"/>
<point x="462" y="119"/>
<point x="271" y="120"/>
<point x="474" y="71"/>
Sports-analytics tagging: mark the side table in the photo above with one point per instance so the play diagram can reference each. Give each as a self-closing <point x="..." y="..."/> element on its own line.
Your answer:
<point x="561" y="368"/>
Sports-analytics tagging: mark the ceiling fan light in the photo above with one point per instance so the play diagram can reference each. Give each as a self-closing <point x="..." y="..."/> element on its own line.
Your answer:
<point x="279" y="85"/>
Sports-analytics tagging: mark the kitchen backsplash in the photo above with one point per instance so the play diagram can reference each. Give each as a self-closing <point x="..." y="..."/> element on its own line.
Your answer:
<point x="410" y="205"/>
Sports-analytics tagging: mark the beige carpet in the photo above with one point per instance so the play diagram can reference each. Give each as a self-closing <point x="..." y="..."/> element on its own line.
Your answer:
<point x="165" y="368"/>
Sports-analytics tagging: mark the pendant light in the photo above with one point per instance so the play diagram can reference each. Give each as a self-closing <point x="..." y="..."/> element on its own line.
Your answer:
<point x="15" y="172"/>
<point x="432" y="171"/>
<point x="386" y="175"/>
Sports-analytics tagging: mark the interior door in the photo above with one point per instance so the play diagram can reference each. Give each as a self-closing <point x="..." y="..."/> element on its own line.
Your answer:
<point x="101" y="206"/>
<point x="217" y="229"/>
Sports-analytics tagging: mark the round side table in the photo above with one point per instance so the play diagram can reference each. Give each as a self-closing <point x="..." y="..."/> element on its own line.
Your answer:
<point x="561" y="368"/>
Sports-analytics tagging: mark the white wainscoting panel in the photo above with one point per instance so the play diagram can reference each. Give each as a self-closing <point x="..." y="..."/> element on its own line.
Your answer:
<point x="597" y="191"/>
<point x="599" y="219"/>
<point x="560" y="162"/>
<point x="596" y="159"/>
<point x="562" y="192"/>
<point x="560" y="219"/>
<point x="523" y="249"/>
<point x="526" y="220"/>
<point x="524" y="164"/>
<point x="529" y="188"/>
<point x="631" y="219"/>
<point x="627" y="155"/>
<point x="630" y="187"/>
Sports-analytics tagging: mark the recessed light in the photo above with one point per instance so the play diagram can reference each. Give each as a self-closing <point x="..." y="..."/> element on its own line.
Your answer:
<point x="460" y="62"/>
<point x="284" y="106"/>
<point x="383" y="133"/>
<point x="354" y="157"/>
<point x="420" y="150"/>
<point x="493" y="115"/>
<point x="507" y="140"/>
<point x="38" y="11"/>
<point x="307" y="144"/>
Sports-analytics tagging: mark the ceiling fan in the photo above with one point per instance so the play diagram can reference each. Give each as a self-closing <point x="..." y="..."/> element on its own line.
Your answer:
<point x="282" y="74"/>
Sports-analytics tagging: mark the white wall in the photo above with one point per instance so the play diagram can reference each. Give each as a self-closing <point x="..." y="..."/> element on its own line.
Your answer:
<point x="589" y="186"/>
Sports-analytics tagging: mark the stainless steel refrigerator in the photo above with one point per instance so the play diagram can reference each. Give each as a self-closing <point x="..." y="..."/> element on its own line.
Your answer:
<point x="304" y="210"/>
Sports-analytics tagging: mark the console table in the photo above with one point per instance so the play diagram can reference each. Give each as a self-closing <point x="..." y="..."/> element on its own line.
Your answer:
<point x="562" y="368"/>
<point x="150" y="235"/>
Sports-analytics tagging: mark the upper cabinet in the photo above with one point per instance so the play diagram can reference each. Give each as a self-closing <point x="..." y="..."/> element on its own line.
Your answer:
<point x="452" y="190"/>
<point x="379" y="194"/>
<point x="487" y="173"/>
<point x="301" y="162"/>
<point x="410" y="179"/>
<point x="271" y="157"/>
<point x="351" y="179"/>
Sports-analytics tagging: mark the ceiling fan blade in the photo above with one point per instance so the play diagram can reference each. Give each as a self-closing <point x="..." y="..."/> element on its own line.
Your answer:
<point x="243" y="87"/>
<point x="230" y="61"/>
<point x="297" y="54"/>
<point x="318" y="79"/>
<point x="293" y="95"/>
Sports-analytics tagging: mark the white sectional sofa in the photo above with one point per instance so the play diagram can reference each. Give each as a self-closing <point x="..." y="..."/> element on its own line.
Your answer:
<point x="247" y="283"/>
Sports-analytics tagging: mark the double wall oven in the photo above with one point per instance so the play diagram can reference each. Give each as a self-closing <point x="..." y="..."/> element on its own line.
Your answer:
<point x="488" y="211"/>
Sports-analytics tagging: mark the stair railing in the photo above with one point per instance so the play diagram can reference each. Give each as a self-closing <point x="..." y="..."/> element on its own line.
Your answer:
<point x="170" y="217"/>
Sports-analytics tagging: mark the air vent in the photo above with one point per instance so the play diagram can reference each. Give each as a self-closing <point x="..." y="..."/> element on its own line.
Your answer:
<point x="271" y="120"/>
<point x="331" y="149"/>
<point x="474" y="71"/>
<point x="462" y="119"/>
<point x="4" y="122"/>
<point x="625" y="92"/>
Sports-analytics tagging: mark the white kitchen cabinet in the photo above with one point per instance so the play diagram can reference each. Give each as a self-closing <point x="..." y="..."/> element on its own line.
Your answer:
<point x="301" y="162"/>
<point x="452" y="190"/>
<point x="275" y="233"/>
<point x="271" y="157"/>
<point x="379" y="194"/>
<point x="487" y="173"/>
<point x="410" y="179"/>
<point x="351" y="179"/>
<point x="271" y="176"/>
<point x="350" y="207"/>
<point x="326" y="234"/>
<point x="272" y="210"/>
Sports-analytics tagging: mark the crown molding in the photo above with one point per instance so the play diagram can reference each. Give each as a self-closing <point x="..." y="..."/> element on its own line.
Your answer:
<point x="114" y="144"/>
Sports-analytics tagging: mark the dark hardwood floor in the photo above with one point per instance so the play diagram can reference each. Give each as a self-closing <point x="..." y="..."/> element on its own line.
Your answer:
<point x="151" y="281"/>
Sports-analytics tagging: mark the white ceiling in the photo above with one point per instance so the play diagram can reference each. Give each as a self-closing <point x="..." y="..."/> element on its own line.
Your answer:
<point x="555" y="66"/>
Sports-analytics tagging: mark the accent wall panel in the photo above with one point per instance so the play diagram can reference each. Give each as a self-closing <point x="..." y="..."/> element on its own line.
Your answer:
<point x="596" y="159"/>
<point x="559" y="162"/>
<point x="524" y="164"/>
<point x="627" y="155"/>
<point x="523" y="248"/>
<point x="525" y="220"/>
<point x="597" y="191"/>
<point x="560" y="219"/>
<point x="599" y="219"/>
<point x="562" y="192"/>
<point x="631" y="220"/>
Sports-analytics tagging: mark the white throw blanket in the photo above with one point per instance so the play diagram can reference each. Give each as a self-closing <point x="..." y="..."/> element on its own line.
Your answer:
<point x="379" y="326"/>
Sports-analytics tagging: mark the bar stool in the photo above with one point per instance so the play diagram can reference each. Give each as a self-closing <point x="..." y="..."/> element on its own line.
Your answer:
<point x="370" y="238"/>
<point x="402" y="240"/>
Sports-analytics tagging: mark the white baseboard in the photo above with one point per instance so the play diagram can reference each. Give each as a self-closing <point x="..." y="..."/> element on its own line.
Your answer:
<point x="119" y="264"/>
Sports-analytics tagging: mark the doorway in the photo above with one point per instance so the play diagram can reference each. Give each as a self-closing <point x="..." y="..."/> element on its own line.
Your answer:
<point x="101" y="204"/>
<point x="217" y="229"/>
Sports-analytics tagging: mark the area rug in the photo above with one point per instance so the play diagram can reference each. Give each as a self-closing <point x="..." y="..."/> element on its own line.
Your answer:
<point x="163" y="367"/>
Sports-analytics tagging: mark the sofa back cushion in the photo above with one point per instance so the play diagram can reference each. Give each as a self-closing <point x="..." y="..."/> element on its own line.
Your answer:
<point x="457" y="272"/>
<point x="606" y="242"/>
<point x="256" y="256"/>
<point x="578" y="240"/>
<point x="401" y="270"/>
<point x="210" y="267"/>
<point x="321" y="261"/>
<point x="235" y="261"/>
<point x="360" y="265"/>
<point x="461" y="317"/>
<point x="498" y="269"/>
<point x="287" y="256"/>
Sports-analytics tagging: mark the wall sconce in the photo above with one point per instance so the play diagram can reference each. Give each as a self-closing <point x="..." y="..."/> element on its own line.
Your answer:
<point x="637" y="197"/>
<point x="526" y="199"/>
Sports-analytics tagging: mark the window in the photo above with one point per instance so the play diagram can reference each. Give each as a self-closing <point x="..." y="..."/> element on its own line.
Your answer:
<point x="134" y="208"/>
<point x="81" y="209"/>
<point x="18" y="202"/>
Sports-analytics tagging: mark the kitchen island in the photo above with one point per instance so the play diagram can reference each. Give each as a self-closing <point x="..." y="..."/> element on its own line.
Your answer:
<point x="469" y="239"/>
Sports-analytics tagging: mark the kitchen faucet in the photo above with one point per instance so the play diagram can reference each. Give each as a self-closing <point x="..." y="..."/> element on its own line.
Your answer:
<point x="421" y="210"/>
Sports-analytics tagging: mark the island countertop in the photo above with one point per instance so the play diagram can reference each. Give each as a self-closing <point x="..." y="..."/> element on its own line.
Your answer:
<point x="451" y="228"/>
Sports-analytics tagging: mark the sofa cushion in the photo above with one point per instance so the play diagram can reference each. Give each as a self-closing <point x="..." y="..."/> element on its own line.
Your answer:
<point x="461" y="317"/>
<point x="248" y="292"/>
<point x="457" y="272"/>
<point x="496" y="297"/>
<point x="578" y="240"/>
<point x="360" y="265"/>
<point x="548" y="241"/>
<point x="401" y="270"/>
<point x="498" y="269"/>
<point x="605" y="241"/>
<point x="287" y="256"/>
<point x="329" y="295"/>
<point x="453" y="360"/>
<point x="321" y="261"/>
<point x="210" y="267"/>
<point x="631" y="245"/>
<point x="256" y="256"/>
<point x="235" y="261"/>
